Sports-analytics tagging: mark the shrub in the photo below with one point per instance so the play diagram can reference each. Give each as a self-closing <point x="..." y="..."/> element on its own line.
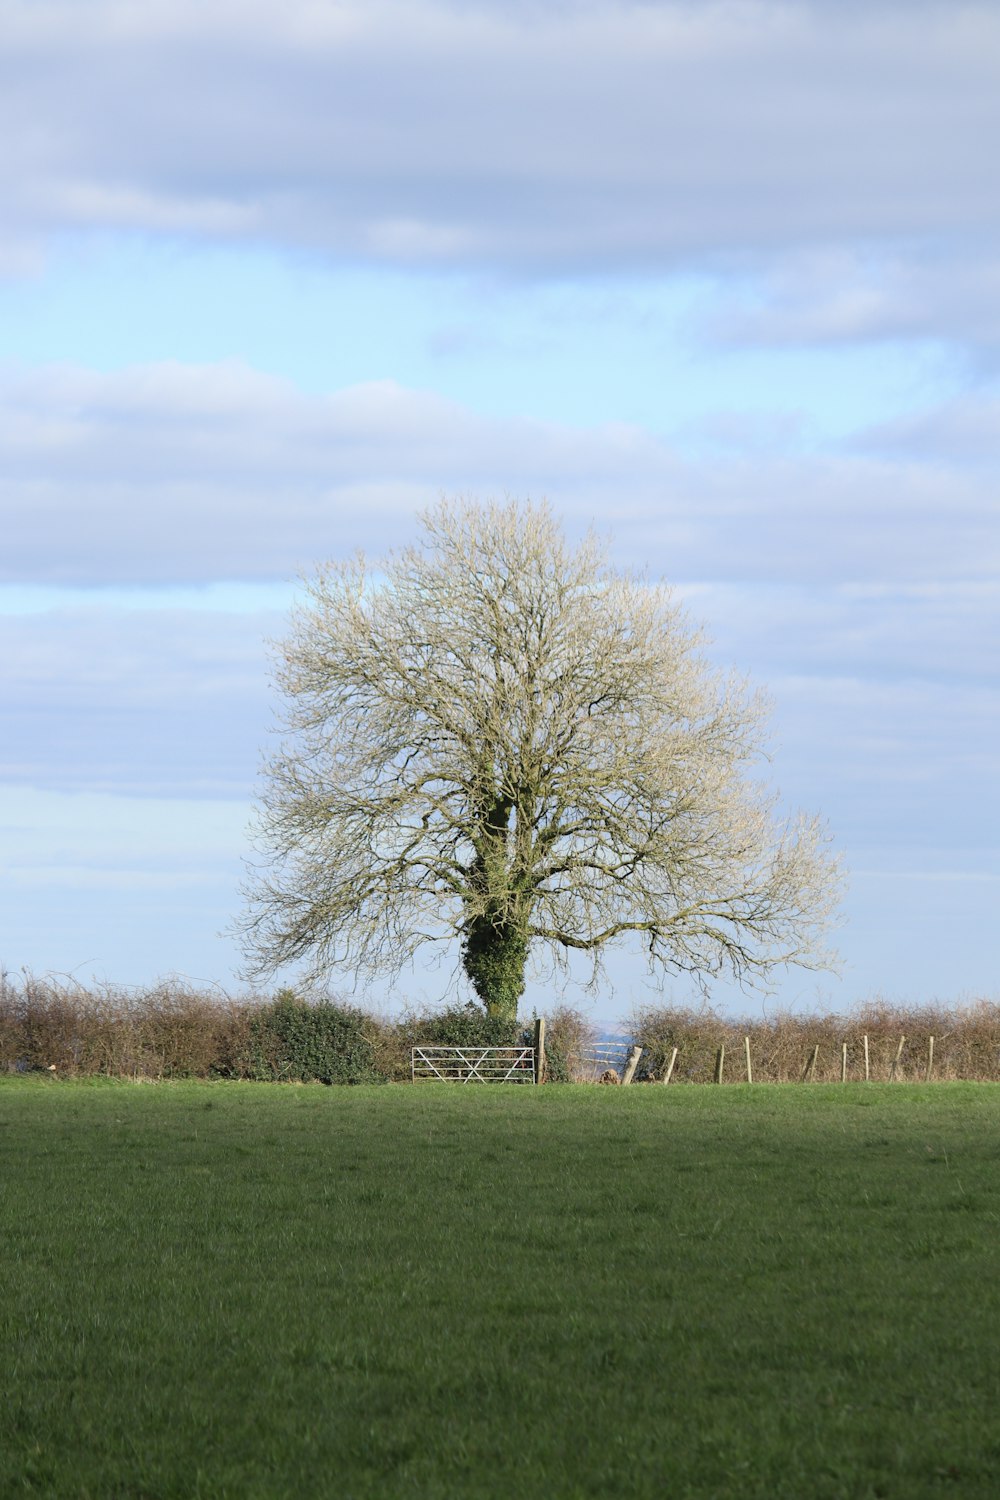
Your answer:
<point x="697" y="1035"/>
<point x="462" y="1026"/>
<point x="457" y="1026"/>
<point x="51" y="1023"/>
<point x="294" y="1039"/>
<point x="170" y="1030"/>
<point x="12" y="1038"/>
<point x="966" y="1043"/>
<point x="178" y="1033"/>
<point x="568" y="1034"/>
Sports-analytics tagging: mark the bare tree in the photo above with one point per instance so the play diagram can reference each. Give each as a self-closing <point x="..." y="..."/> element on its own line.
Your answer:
<point x="495" y="737"/>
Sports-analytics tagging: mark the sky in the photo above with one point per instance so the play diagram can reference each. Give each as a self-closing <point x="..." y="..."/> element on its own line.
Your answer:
<point x="720" y="280"/>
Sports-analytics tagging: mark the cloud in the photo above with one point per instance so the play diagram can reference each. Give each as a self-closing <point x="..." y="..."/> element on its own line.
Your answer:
<point x="169" y="472"/>
<point x="132" y="736"/>
<point x="94" y="883"/>
<point x="189" y="474"/>
<point x="900" y="764"/>
<point x="964" y="431"/>
<point x="885" y="707"/>
<point x="945" y="633"/>
<point x="152" y="704"/>
<point x="522" y="136"/>
<point x="848" y="293"/>
<point x="46" y="831"/>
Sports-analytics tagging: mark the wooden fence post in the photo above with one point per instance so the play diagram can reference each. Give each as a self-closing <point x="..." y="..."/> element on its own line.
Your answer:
<point x="631" y="1065"/>
<point x="895" y="1061"/>
<point x="843" y="1062"/>
<point x="720" y="1062"/>
<point x="746" y="1045"/>
<point x="540" y="1049"/>
<point x="810" y="1066"/>
<point x="670" y="1067"/>
<point x="930" y="1058"/>
<point x="867" y="1070"/>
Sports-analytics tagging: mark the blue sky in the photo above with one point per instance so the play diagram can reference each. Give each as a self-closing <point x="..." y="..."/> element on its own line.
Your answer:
<point x="722" y="280"/>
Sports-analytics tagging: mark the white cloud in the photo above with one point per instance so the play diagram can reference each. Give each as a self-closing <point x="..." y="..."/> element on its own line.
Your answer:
<point x="100" y="828"/>
<point x="524" y="136"/>
<point x="828" y="170"/>
<point x="156" y="703"/>
<point x="171" y="473"/>
<point x="845" y="293"/>
<point x="939" y="632"/>
<point x="121" y="886"/>
<point x="884" y="701"/>
<point x="964" y="431"/>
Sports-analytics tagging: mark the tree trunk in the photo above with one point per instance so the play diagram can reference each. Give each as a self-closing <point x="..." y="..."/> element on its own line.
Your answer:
<point x="494" y="954"/>
<point x="495" y="935"/>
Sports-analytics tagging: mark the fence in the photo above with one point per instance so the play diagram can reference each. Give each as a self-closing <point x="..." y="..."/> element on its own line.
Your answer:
<point x="610" y="1057"/>
<point x="474" y="1064"/>
<point x="854" y="1061"/>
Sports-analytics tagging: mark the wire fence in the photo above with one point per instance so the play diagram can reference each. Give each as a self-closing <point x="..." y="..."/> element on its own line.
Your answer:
<point x="604" y="1057"/>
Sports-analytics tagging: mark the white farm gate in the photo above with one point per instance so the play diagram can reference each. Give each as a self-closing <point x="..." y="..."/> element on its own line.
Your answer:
<point x="474" y="1064"/>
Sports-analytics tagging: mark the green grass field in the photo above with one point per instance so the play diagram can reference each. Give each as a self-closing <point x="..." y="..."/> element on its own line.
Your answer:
<point x="253" y="1291"/>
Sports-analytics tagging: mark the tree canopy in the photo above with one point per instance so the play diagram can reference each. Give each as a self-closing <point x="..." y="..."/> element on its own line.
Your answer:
<point x="494" y="738"/>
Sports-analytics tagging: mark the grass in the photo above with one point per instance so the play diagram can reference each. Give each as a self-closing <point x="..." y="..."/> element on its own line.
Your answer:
<point x="214" y="1290"/>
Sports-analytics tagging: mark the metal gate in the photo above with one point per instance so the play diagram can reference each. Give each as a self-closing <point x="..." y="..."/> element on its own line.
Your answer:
<point x="474" y="1064"/>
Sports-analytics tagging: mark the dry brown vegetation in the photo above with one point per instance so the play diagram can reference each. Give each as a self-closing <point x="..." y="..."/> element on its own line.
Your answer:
<point x="966" y="1043"/>
<point x="171" y="1030"/>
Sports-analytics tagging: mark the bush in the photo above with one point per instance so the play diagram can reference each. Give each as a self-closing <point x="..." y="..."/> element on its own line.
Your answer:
<point x="568" y="1034"/>
<point x="697" y="1035"/>
<point x="966" y="1043"/>
<point x="295" y="1040"/>
<point x="457" y="1026"/>
<point x="170" y="1030"/>
<point x="462" y="1026"/>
